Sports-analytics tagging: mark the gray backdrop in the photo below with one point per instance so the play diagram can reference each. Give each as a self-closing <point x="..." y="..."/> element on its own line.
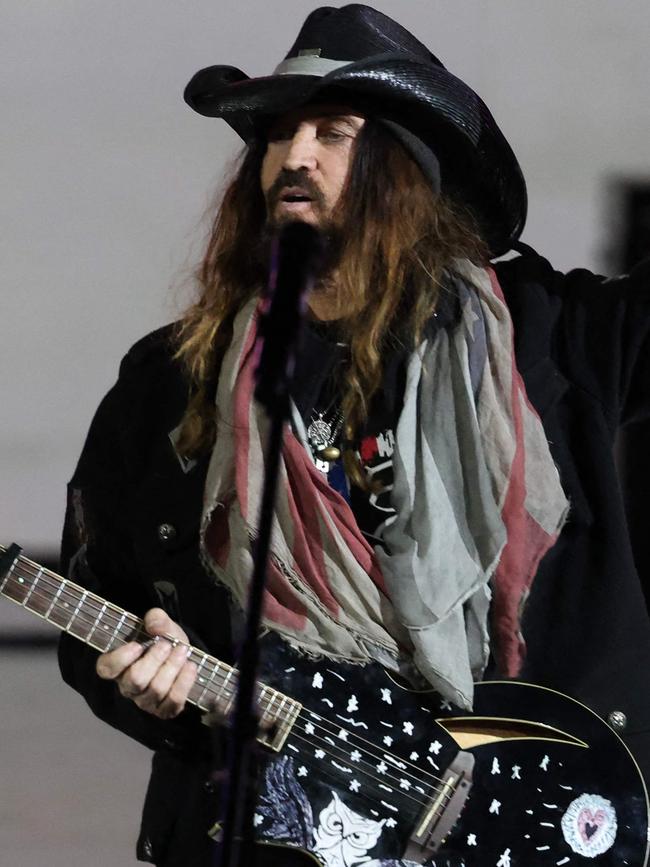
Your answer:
<point x="106" y="175"/>
<point x="105" y="179"/>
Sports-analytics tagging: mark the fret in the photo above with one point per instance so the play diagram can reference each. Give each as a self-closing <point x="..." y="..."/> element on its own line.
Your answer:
<point x="102" y="611"/>
<point x="267" y="734"/>
<point x="268" y="709"/>
<point x="52" y="597"/>
<point x="278" y="714"/>
<point x="262" y="700"/>
<point x="76" y="611"/>
<point x="113" y="638"/>
<point x="60" y="613"/>
<point x="138" y="632"/>
<point x="222" y="689"/>
<point x="18" y="587"/>
<point x="42" y="591"/>
<point x="272" y="711"/>
<point x="206" y="688"/>
<point x="33" y="587"/>
<point x="54" y="600"/>
<point x="112" y="613"/>
<point x="215" y="702"/>
<point x="200" y="681"/>
<point x="228" y="706"/>
<point x="281" y="723"/>
<point x="268" y="703"/>
<point x="295" y="713"/>
<point x="199" y="678"/>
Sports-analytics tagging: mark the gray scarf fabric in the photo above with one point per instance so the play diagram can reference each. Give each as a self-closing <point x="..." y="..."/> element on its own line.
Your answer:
<point x="473" y="478"/>
<point x="455" y="446"/>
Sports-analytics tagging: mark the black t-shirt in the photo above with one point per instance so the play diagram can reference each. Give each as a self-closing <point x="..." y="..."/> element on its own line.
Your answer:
<point x="317" y="386"/>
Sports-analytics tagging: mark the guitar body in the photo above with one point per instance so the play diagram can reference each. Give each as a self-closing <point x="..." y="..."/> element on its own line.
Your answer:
<point x="362" y="770"/>
<point x="552" y="783"/>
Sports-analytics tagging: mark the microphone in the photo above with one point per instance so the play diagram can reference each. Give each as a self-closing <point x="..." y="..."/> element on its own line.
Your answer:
<point x="297" y="252"/>
<point x="294" y="262"/>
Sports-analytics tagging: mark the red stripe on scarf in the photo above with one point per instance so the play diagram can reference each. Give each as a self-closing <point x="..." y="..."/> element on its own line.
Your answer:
<point x="242" y="408"/>
<point x="527" y="541"/>
<point x="309" y="488"/>
<point x="307" y="492"/>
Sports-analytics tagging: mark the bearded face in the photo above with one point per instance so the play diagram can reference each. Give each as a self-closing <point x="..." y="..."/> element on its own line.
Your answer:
<point x="307" y="162"/>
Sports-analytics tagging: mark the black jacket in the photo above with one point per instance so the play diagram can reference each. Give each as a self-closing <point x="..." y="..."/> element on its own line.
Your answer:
<point x="582" y="345"/>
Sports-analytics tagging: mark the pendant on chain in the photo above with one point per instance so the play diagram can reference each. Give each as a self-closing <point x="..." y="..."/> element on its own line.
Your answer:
<point x="321" y="435"/>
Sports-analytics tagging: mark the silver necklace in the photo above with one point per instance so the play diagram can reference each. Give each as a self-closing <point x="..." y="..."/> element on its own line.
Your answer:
<point x="322" y="433"/>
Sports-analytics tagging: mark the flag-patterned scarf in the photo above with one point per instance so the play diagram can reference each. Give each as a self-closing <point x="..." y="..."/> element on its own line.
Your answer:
<point x="478" y="501"/>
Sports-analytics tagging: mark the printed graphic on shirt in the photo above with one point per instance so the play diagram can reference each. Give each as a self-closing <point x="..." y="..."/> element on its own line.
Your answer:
<point x="373" y="508"/>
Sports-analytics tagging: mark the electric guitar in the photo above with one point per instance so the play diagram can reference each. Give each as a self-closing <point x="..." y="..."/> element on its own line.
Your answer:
<point x="359" y="769"/>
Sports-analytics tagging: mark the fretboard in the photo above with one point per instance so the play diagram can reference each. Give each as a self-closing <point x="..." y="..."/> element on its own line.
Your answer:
<point x="105" y="627"/>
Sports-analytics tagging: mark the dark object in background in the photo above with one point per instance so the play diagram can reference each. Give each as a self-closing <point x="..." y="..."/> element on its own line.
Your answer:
<point x="632" y="246"/>
<point x="635" y="239"/>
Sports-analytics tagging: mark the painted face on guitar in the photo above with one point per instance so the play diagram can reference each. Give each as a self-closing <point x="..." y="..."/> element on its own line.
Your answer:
<point x="360" y="768"/>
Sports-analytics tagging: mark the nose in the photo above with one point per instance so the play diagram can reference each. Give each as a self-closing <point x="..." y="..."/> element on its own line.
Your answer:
<point x="301" y="150"/>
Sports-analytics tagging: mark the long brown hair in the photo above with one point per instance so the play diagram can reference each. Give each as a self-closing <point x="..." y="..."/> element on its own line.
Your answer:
<point x="398" y="238"/>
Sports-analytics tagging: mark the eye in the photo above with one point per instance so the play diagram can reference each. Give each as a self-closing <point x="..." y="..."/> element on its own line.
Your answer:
<point x="332" y="135"/>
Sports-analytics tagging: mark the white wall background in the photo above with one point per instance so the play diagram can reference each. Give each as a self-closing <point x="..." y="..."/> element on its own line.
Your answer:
<point x="105" y="175"/>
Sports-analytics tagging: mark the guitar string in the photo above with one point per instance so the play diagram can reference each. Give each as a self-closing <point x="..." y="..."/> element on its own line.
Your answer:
<point x="403" y="793"/>
<point x="446" y="796"/>
<point x="416" y="774"/>
<point x="219" y="692"/>
<point x="318" y="740"/>
<point x="378" y="781"/>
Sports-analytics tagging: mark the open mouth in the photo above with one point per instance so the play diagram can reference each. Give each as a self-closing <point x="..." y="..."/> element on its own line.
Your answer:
<point x="295" y="195"/>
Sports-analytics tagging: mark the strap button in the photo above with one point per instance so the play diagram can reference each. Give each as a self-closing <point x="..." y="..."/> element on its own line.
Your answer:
<point x="617" y="720"/>
<point x="166" y="532"/>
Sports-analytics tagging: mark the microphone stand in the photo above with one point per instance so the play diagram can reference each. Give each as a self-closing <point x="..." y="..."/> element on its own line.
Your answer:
<point x="294" y="259"/>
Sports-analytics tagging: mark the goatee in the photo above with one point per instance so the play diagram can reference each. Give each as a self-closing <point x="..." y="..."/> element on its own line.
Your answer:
<point x="330" y="230"/>
<point x="332" y="245"/>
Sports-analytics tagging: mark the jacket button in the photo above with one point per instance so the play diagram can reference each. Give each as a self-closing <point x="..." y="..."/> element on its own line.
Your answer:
<point x="166" y="532"/>
<point x="617" y="720"/>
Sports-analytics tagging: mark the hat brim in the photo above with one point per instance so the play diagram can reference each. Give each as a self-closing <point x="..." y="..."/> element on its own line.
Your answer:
<point x="476" y="162"/>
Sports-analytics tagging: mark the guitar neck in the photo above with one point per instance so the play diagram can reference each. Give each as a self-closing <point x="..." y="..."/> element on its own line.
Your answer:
<point x="104" y="626"/>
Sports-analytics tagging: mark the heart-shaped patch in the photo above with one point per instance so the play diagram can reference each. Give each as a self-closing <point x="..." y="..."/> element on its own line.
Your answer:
<point x="589" y="825"/>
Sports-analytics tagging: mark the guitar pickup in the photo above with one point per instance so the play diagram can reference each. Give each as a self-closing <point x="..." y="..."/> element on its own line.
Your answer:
<point x="443" y="811"/>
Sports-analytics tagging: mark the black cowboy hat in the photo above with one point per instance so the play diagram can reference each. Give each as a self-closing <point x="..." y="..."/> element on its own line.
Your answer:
<point x="360" y="57"/>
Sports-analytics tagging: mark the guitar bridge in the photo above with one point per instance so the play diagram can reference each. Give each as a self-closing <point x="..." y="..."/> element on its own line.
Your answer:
<point x="442" y="812"/>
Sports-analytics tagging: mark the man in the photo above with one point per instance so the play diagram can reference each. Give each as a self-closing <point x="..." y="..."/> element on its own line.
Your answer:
<point x="416" y="440"/>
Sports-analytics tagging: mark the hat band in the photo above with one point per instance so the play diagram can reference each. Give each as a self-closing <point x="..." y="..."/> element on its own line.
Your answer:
<point x="309" y="64"/>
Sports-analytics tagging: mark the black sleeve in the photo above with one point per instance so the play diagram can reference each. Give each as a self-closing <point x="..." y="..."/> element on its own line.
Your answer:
<point x="636" y="402"/>
<point x="607" y="331"/>
<point x="97" y="552"/>
<point x="602" y="334"/>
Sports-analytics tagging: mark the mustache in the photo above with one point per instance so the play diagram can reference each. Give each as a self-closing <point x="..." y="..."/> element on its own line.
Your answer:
<point x="294" y="178"/>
